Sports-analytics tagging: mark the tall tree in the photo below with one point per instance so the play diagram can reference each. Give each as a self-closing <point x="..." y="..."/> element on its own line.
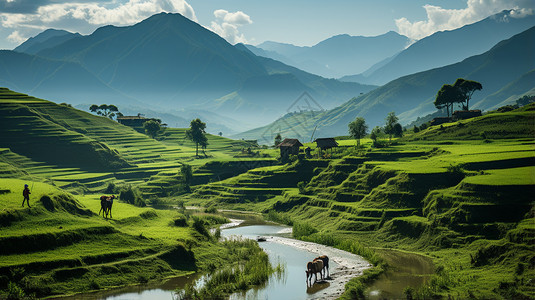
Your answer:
<point x="447" y="96"/>
<point x="358" y="129"/>
<point x="391" y="121"/>
<point x="196" y="134"/>
<point x="467" y="89"/>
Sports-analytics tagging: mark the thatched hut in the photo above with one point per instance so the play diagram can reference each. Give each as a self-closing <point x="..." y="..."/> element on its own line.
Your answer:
<point x="289" y="146"/>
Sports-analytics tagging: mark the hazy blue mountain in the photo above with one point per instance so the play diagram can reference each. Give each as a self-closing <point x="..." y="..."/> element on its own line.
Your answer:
<point x="447" y="47"/>
<point x="268" y="54"/>
<point x="267" y="97"/>
<point x="44" y="40"/>
<point x="166" y="58"/>
<point x="336" y="56"/>
<point x="525" y="85"/>
<point x="169" y="63"/>
<point x="174" y="63"/>
<point x="506" y="68"/>
<point x="59" y="81"/>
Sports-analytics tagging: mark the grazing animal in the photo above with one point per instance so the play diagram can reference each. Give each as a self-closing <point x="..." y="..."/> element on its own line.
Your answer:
<point x="105" y="205"/>
<point x="325" y="260"/>
<point x="109" y="204"/>
<point x="314" y="267"/>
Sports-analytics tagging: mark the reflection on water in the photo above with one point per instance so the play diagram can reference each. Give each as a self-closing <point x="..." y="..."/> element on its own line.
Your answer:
<point x="292" y="284"/>
<point x="404" y="269"/>
<point x="162" y="291"/>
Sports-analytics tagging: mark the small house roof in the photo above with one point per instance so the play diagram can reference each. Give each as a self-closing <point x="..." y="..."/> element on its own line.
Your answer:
<point x="290" y="143"/>
<point x="130" y="118"/>
<point x="326" y="142"/>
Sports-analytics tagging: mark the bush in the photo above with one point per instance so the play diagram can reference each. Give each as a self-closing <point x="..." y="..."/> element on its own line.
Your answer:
<point x="210" y="210"/>
<point x="111" y="188"/>
<point x="181" y="221"/>
<point x="198" y="224"/>
<point x="409" y="293"/>
<point x="379" y="144"/>
<point x="130" y="195"/>
<point x="302" y="188"/>
<point x="14" y="292"/>
<point x="303" y="229"/>
<point x="416" y="129"/>
<point x="424" y="126"/>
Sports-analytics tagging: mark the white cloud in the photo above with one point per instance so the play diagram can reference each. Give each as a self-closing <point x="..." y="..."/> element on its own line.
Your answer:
<point x="227" y="25"/>
<point x="89" y="15"/>
<point x="15" y="37"/>
<point x="439" y="19"/>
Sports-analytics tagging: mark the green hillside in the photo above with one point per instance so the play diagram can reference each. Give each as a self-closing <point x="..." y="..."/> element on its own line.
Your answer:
<point x="69" y="158"/>
<point x="459" y="193"/>
<point x="83" y="152"/>
<point x="448" y="192"/>
<point x="505" y="70"/>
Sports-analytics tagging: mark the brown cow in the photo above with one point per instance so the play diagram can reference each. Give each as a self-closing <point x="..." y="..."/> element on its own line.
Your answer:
<point x="325" y="260"/>
<point x="314" y="267"/>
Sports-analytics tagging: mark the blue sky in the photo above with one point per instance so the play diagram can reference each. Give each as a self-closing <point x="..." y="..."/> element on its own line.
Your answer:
<point x="300" y="22"/>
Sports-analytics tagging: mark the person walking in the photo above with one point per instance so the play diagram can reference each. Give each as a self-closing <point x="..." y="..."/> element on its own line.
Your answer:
<point x="26" y="193"/>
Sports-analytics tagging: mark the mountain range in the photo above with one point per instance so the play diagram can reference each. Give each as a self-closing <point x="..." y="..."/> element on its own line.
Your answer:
<point x="446" y="47"/>
<point x="505" y="71"/>
<point x="168" y="63"/>
<point x="336" y="56"/>
<point x="175" y="69"/>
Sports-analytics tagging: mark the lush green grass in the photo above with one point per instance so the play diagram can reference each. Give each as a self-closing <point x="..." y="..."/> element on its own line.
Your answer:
<point x="513" y="176"/>
<point x="82" y="152"/>
<point x="451" y="192"/>
<point x="446" y="198"/>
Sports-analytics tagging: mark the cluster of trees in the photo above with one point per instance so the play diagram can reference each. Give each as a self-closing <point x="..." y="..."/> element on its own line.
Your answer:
<point x="358" y="128"/>
<point x="110" y="111"/>
<point x="460" y="92"/>
<point x="525" y="100"/>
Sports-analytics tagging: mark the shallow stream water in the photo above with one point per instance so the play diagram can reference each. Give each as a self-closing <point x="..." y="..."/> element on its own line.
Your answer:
<point x="407" y="269"/>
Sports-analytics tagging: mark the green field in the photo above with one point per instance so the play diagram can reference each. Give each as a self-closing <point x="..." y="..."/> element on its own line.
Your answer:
<point x="460" y="193"/>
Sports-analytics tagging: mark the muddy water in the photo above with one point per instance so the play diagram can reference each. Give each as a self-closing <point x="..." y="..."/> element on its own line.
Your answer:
<point x="405" y="269"/>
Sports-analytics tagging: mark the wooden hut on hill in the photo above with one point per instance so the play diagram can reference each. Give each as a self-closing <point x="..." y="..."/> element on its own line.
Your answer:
<point x="325" y="144"/>
<point x="289" y="146"/>
<point x="465" y="114"/>
<point x="132" y="121"/>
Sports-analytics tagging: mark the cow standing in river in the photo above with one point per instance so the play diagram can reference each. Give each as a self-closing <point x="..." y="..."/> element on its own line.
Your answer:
<point x="314" y="267"/>
<point x="325" y="260"/>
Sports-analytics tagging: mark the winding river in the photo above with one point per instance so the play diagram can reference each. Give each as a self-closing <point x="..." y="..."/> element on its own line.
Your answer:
<point x="293" y="255"/>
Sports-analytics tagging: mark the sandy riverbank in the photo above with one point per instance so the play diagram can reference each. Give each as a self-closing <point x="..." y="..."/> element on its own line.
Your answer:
<point x="348" y="265"/>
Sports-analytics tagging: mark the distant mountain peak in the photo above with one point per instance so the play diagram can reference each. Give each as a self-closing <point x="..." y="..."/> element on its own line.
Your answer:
<point x="46" y="39"/>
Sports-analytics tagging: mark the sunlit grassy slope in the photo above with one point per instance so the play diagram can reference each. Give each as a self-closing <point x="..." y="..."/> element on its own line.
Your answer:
<point x="61" y="245"/>
<point x="42" y="140"/>
<point x="463" y="197"/>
